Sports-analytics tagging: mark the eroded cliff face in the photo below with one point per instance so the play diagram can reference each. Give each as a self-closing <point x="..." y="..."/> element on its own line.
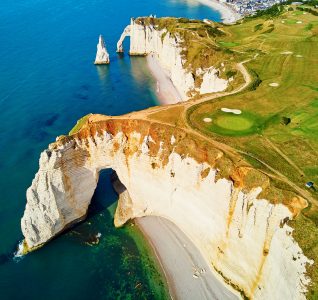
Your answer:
<point x="167" y="49"/>
<point x="170" y="174"/>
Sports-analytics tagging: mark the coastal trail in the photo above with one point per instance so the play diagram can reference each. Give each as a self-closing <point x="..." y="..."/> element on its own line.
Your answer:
<point x="148" y="114"/>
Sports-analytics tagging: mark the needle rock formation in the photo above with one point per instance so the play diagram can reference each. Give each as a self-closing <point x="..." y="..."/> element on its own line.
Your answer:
<point x="102" y="56"/>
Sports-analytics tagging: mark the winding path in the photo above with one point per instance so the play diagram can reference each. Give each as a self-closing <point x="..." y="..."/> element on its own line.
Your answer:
<point x="144" y="115"/>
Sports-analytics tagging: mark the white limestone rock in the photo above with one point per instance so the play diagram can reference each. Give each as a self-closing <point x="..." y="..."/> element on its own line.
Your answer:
<point x="211" y="82"/>
<point x="102" y="56"/>
<point x="125" y="33"/>
<point x="166" y="49"/>
<point x="240" y="236"/>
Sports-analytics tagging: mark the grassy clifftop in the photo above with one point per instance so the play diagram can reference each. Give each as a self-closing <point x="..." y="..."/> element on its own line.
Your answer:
<point x="276" y="131"/>
<point x="200" y="46"/>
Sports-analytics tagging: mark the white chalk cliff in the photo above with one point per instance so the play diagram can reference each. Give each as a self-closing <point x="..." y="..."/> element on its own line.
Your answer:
<point x="166" y="49"/>
<point x="242" y="236"/>
<point x="102" y="56"/>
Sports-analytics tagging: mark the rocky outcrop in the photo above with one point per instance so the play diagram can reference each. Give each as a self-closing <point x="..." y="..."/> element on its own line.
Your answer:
<point x="147" y="38"/>
<point x="102" y="56"/>
<point x="125" y="33"/>
<point x="195" y="185"/>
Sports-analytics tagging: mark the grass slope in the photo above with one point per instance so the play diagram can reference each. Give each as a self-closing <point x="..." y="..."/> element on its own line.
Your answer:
<point x="79" y="125"/>
<point x="287" y="48"/>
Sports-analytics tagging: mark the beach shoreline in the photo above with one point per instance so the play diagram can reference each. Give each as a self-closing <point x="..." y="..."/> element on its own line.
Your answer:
<point x="187" y="273"/>
<point x="228" y="14"/>
<point x="165" y="90"/>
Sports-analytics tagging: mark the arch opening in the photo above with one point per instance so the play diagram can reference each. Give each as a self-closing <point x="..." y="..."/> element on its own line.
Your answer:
<point x="126" y="32"/>
<point x="105" y="196"/>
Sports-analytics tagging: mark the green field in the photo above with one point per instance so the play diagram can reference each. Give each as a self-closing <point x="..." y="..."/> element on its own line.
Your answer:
<point x="225" y="123"/>
<point x="233" y="123"/>
<point x="287" y="54"/>
<point x="291" y="21"/>
<point x="297" y="13"/>
<point x="228" y="44"/>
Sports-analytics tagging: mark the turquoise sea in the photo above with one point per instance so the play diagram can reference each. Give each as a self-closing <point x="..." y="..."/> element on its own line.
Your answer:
<point x="47" y="82"/>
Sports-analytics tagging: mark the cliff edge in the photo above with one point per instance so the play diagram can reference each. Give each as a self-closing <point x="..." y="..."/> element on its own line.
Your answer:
<point x="185" y="49"/>
<point x="217" y="201"/>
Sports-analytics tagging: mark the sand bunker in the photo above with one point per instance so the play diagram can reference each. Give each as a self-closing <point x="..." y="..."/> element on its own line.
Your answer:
<point x="274" y="84"/>
<point x="299" y="22"/>
<point x="286" y="52"/>
<point x="299" y="56"/>
<point x="233" y="111"/>
<point x="207" y="120"/>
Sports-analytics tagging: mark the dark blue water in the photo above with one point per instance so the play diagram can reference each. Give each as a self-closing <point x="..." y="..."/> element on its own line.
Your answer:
<point x="47" y="82"/>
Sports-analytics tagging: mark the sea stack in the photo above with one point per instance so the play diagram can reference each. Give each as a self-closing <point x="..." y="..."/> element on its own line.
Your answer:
<point x="102" y="56"/>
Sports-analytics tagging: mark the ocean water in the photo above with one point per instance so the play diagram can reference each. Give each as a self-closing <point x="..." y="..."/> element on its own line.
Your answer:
<point x="47" y="82"/>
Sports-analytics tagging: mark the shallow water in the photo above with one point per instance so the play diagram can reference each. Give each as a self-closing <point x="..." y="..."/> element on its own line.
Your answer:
<point x="47" y="82"/>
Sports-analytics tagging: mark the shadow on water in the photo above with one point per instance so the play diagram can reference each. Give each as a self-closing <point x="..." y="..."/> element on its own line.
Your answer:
<point x="104" y="195"/>
<point x="103" y="204"/>
<point x="120" y="55"/>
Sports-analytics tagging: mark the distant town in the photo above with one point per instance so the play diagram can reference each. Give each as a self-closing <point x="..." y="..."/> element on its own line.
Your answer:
<point x="249" y="7"/>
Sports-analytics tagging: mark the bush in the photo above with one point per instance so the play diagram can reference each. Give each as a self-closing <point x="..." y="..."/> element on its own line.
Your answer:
<point x="256" y="80"/>
<point x="309" y="10"/>
<point x="271" y="29"/>
<point x="230" y="74"/>
<point x="273" y="11"/>
<point x="258" y="27"/>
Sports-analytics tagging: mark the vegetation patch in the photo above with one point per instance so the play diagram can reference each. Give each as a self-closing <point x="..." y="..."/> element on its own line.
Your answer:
<point x="291" y="21"/>
<point x="230" y="124"/>
<point x="312" y="87"/>
<point x="271" y="12"/>
<point x="309" y="26"/>
<point x="79" y="124"/>
<point x="280" y="138"/>
<point x="228" y="44"/>
<point x="258" y="27"/>
<point x="298" y="12"/>
<point x="200" y="48"/>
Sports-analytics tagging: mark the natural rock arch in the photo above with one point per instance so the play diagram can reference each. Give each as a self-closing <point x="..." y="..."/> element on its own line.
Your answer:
<point x="172" y="175"/>
<point x="125" y="33"/>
